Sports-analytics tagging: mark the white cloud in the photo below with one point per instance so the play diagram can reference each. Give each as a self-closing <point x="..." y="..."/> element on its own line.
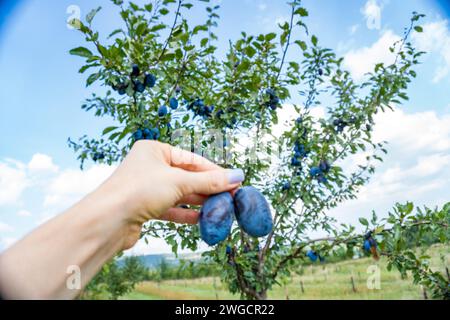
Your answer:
<point x="24" y="213"/>
<point x="13" y="181"/>
<point x="72" y="184"/>
<point x="262" y="6"/>
<point x="435" y="39"/>
<point x="363" y="60"/>
<point x="42" y="163"/>
<point x="431" y="164"/>
<point x="16" y="176"/>
<point x="5" y="227"/>
<point x="414" y="132"/>
<point x="372" y="13"/>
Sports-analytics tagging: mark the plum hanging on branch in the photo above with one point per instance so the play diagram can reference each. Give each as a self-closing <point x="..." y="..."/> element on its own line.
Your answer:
<point x="160" y="76"/>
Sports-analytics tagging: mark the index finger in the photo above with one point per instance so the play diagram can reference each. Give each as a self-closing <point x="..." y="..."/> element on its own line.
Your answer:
<point x="189" y="161"/>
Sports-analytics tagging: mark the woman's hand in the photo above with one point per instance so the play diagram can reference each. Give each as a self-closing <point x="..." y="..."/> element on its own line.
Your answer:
<point x="155" y="178"/>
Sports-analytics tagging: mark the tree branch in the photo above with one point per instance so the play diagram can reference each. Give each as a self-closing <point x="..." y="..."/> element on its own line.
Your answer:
<point x="291" y="24"/>
<point x="171" y="32"/>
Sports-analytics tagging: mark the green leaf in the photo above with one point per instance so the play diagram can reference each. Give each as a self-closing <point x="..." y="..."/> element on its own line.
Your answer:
<point x="115" y="32"/>
<point x="270" y="36"/>
<point x="204" y="42"/>
<point x="314" y="40"/>
<point x="81" y="51"/>
<point x="418" y="28"/>
<point x="302" y="12"/>
<point x="409" y="207"/>
<point x="92" y="78"/>
<point x="364" y="221"/>
<point x="85" y="67"/>
<point x="90" y="16"/>
<point x="108" y="129"/>
<point x="158" y="27"/>
<point x="164" y="11"/>
<point x="149" y="7"/>
<point x="187" y="5"/>
<point x="379" y="229"/>
<point x="250" y="51"/>
<point x="141" y="28"/>
<point x="301" y="44"/>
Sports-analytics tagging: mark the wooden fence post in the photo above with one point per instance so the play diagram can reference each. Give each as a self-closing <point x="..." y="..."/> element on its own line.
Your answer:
<point x="353" y="284"/>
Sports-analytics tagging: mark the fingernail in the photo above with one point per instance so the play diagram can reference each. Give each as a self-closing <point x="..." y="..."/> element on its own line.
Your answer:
<point x="235" y="176"/>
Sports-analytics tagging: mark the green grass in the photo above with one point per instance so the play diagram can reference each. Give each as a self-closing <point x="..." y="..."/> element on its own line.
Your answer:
<point x="320" y="281"/>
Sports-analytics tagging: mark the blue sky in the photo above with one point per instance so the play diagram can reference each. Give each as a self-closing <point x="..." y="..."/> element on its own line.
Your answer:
<point x="41" y="93"/>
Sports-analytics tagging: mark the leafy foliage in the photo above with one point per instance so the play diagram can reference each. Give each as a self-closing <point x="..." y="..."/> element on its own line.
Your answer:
<point x="300" y="171"/>
<point x="116" y="280"/>
<point x="185" y="269"/>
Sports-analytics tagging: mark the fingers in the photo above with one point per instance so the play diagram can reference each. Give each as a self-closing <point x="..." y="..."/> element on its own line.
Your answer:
<point x="210" y="182"/>
<point x="187" y="160"/>
<point x="194" y="199"/>
<point x="181" y="215"/>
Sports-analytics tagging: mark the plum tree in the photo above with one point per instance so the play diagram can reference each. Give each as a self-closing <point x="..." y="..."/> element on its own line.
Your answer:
<point x="298" y="163"/>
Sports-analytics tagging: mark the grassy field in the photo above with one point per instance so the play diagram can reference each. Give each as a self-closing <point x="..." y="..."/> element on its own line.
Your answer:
<point x="321" y="281"/>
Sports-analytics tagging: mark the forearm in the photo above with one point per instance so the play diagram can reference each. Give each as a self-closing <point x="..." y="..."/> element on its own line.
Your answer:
<point x="86" y="236"/>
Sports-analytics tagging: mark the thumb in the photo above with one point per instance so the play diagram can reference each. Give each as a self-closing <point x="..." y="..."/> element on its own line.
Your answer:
<point x="212" y="181"/>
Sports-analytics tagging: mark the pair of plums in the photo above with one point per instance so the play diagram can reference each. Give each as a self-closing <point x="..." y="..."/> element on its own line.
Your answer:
<point x="250" y="208"/>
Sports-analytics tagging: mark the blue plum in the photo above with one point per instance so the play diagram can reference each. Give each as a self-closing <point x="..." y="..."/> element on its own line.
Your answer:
<point x="138" y="135"/>
<point x="122" y="91"/>
<point x="216" y="218"/>
<point x="286" y="186"/>
<point x="149" y="80"/>
<point x="162" y="111"/>
<point x="135" y="70"/>
<point x="324" y="166"/>
<point x="139" y="86"/>
<point x="219" y="114"/>
<point x="155" y="133"/>
<point x="275" y="101"/>
<point x="253" y="212"/>
<point x="295" y="162"/>
<point x="321" y="178"/>
<point x="270" y="92"/>
<point x="121" y="88"/>
<point x="173" y="103"/>
<point x="312" y="255"/>
<point x="98" y="156"/>
<point x="315" y="171"/>
<point x="366" y="245"/>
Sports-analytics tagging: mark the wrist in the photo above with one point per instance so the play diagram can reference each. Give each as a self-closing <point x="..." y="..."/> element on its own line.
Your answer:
<point x="116" y="214"/>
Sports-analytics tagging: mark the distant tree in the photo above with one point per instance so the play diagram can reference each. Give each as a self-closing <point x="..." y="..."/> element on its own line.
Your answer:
<point x="114" y="280"/>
